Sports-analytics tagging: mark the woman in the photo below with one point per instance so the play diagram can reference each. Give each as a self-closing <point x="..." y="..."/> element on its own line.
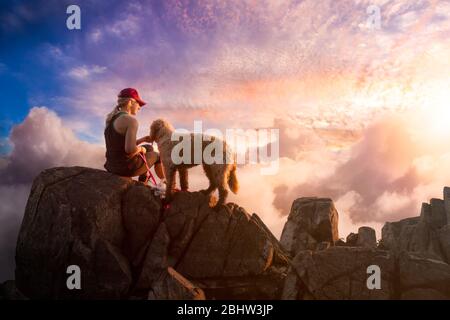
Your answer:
<point x="123" y="153"/>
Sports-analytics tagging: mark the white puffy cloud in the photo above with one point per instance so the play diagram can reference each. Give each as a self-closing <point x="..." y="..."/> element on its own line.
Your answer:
<point x="41" y="141"/>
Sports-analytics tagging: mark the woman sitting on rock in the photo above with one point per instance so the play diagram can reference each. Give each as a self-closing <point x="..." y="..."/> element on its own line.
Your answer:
<point x="124" y="156"/>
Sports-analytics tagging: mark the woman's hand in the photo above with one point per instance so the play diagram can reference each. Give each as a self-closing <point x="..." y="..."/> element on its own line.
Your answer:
<point x="139" y="149"/>
<point x="143" y="139"/>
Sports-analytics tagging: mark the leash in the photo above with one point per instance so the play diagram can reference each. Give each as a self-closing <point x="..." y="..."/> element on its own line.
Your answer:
<point x="149" y="174"/>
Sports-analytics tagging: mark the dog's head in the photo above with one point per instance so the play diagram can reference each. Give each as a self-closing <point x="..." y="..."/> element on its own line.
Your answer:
<point x="160" y="128"/>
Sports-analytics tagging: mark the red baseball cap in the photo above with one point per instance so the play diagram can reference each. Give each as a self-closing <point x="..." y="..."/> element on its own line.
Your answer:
<point x="132" y="93"/>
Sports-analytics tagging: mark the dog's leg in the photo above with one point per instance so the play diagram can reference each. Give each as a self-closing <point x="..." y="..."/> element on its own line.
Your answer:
<point x="212" y="184"/>
<point x="170" y="176"/>
<point x="223" y="193"/>
<point x="184" y="179"/>
<point x="221" y="178"/>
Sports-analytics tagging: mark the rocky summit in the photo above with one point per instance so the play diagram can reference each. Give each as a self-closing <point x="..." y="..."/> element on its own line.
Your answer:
<point x="124" y="245"/>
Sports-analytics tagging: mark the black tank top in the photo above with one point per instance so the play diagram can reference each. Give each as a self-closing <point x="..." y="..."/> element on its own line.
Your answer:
<point x="117" y="160"/>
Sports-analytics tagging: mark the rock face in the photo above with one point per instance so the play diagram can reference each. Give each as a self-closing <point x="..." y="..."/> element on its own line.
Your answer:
<point x="172" y="285"/>
<point x="9" y="291"/>
<point x="73" y="217"/>
<point x="341" y="273"/>
<point x="115" y="230"/>
<point x="128" y="247"/>
<point x="225" y="253"/>
<point x="310" y="222"/>
<point x="407" y="258"/>
<point x="428" y="234"/>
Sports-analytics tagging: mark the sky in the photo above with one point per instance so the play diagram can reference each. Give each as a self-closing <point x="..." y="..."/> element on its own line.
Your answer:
<point x="361" y="104"/>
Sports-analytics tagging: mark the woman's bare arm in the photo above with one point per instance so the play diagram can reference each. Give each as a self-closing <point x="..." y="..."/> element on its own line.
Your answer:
<point x="130" y="136"/>
<point x="142" y="140"/>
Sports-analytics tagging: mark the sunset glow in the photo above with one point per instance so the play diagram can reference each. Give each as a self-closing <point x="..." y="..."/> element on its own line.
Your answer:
<point x="363" y="112"/>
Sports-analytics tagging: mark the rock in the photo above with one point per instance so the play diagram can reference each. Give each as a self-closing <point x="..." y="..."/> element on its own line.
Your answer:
<point x="351" y="239"/>
<point x="156" y="260"/>
<point x="366" y="238"/>
<point x="141" y="218"/>
<point x="444" y="241"/>
<point x="128" y="247"/>
<point x="434" y="213"/>
<point x="9" y="291"/>
<point x="240" y="245"/>
<point x="211" y="247"/>
<point x="173" y="286"/>
<point x="291" y="286"/>
<point x="74" y="217"/>
<point x="411" y="235"/>
<point x="324" y="245"/>
<point x="422" y="278"/>
<point x="311" y="221"/>
<point x="113" y="228"/>
<point x="340" y="273"/>
<point x="447" y="203"/>
<point x="423" y="294"/>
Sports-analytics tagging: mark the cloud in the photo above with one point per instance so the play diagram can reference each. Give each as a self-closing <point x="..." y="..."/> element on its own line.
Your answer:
<point x="84" y="72"/>
<point x="12" y="206"/>
<point x="385" y="176"/>
<point x="41" y="141"/>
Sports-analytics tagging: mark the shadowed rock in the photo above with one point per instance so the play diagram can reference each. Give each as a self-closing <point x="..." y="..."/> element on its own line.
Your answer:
<point x="114" y="229"/>
<point x="128" y="247"/>
<point x="366" y="238"/>
<point x="427" y="234"/>
<point x="73" y="217"/>
<point x="311" y="221"/>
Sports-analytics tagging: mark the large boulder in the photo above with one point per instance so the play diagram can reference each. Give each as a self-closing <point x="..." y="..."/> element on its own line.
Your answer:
<point x="339" y="273"/>
<point x="76" y="216"/>
<point x="9" y="291"/>
<point x="229" y="253"/>
<point x="447" y="203"/>
<point x="342" y="273"/>
<point x="422" y="278"/>
<point x="116" y="231"/>
<point x="365" y="237"/>
<point x="310" y="222"/>
<point x="427" y="234"/>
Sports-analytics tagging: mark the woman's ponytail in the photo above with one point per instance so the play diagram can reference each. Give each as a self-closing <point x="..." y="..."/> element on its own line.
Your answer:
<point x="120" y="103"/>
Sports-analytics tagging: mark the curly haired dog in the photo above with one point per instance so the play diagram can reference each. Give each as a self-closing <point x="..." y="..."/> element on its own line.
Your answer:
<point x="219" y="174"/>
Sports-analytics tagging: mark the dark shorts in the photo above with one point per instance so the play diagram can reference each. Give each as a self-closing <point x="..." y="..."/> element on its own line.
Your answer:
<point x="134" y="166"/>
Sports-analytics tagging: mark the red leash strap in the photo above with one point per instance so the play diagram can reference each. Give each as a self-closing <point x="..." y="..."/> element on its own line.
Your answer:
<point x="149" y="174"/>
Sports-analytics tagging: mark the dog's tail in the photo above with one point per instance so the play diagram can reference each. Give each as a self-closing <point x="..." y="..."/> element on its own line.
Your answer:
<point x="232" y="180"/>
